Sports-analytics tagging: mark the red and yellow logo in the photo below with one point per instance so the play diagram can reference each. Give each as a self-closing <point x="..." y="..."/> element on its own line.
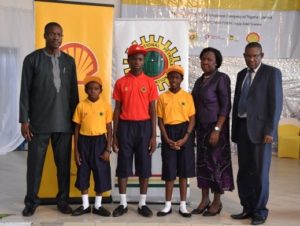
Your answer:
<point x="85" y="59"/>
<point x="253" y="37"/>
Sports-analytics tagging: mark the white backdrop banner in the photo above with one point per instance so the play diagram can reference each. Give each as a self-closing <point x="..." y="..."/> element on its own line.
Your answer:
<point x="166" y="46"/>
<point x="16" y="41"/>
<point x="230" y="25"/>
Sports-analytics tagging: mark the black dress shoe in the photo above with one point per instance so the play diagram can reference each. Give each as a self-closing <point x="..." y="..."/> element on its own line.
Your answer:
<point x="119" y="211"/>
<point x="207" y="213"/>
<point x="28" y="211"/>
<point x="184" y="214"/>
<point x="65" y="209"/>
<point x="200" y="210"/>
<point x="80" y="210"/>
<point x="256" y="220"/>
<point x="162" y="214"/>
<point x="101" y="211"/>
<point x="145" y="211"/>
<point x="240" y="216"/>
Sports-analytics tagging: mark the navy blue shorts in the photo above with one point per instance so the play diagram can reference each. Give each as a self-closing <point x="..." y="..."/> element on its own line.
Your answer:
<point x="90" y="149"/>
<point x="134" y="138"/>
<point x="181" y="162"/>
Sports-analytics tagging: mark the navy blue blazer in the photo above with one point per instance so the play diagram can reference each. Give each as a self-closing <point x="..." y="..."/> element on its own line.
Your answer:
<point x="264" y="104"/>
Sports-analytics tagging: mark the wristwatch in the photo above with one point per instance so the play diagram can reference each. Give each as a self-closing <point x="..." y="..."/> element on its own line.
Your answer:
<point x="218" y="129"/>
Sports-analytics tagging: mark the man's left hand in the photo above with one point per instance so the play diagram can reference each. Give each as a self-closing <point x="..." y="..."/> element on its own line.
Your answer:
<point x="268" y="139"/>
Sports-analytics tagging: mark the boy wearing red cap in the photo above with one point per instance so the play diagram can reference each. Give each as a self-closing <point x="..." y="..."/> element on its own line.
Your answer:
<point x="92" y="144"/>
<point x="134" y="128"/>
<point x="176" y="120"/>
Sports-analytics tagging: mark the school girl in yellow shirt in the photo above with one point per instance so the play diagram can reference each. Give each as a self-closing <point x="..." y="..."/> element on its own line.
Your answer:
<point x="176" y="120"/>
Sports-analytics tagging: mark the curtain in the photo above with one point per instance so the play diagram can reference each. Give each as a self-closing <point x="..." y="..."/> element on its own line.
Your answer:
<point x="16" y="41"/>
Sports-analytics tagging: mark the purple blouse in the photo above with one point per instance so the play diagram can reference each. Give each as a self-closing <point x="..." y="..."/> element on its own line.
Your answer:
<point x="212" y="98"/>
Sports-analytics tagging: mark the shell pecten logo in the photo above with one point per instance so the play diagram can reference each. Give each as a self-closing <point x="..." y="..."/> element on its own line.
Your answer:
<point x="85" y="59"/>
<point x="253" y="37"/>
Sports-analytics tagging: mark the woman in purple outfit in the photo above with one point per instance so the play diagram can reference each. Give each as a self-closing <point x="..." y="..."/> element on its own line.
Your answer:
<point x="211" y="95"/>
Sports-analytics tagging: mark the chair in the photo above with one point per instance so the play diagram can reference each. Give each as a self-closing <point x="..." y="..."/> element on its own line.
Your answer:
<point x="289" y="138"/>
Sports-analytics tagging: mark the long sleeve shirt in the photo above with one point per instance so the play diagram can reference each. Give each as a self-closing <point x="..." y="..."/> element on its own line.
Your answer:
<point x="49" y="92"/>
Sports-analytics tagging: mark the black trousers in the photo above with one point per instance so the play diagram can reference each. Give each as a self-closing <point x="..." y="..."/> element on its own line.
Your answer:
<point x="253" y="174"/>
<point x="37" y="147"/>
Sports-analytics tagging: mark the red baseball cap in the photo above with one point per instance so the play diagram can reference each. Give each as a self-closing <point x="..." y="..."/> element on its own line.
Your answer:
<point x="135" y="49"/>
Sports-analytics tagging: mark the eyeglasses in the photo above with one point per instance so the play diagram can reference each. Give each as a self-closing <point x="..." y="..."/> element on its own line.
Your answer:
<point x="51" y="35"/>
<point x="249" y="57"/>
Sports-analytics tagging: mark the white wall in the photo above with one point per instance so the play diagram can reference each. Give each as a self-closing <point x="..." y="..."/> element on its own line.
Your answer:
<point x="24" y="4"/>
<point x="116" y="3"/>
<point x="17" y="3"/>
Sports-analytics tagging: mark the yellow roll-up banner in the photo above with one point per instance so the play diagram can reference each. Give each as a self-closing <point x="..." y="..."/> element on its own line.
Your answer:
<point x="87" y="30"/>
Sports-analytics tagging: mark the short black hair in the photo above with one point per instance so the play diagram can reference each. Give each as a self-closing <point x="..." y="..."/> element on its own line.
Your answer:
<point x="253" y="45"/>
<point x="51" y="24"/>
<point x="218" y="55"/>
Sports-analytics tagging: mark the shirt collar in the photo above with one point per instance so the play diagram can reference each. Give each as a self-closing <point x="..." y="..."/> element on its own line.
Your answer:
<point x="91" y="102"/>
<point x="132" y="75"/>
<point x="256" y="69"/>
<point x="47" y="54"/>
<point x="175" y="93"/>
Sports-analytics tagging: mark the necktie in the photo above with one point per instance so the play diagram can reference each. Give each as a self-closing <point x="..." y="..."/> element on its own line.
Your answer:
<point x="244" y="94"/>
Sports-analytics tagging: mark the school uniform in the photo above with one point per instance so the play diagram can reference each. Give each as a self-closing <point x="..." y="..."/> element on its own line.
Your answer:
<point x="135" y="93"/>
<point x="175" y="110"/>
<point x="92" y="118"/>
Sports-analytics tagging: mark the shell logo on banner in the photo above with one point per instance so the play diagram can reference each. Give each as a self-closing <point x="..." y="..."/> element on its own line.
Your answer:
<point x="85" y="59"/>
<point x="160" y="55"/>
<point x="253" y="37"/>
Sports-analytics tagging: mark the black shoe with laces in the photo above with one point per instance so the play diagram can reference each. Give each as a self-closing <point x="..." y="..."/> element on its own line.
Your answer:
<point x="101" y="211"/>
<point x="119" y="211"/>
<point x="241" y="216"/>
<point x="145" y="211"/>
<point x="257" y="219"/>
<point x="65" y="209"/>
<point x="80" y="211"/>
<point x="29" y="210"/>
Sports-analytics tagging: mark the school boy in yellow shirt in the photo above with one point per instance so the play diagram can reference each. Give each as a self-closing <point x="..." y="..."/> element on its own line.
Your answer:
<point x="176" y="120"/>
<point x="93" y="136"/>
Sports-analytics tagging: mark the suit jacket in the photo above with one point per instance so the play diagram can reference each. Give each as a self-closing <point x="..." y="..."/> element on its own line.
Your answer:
<point x="264" y="103"/>
<point x="213" y="98"/>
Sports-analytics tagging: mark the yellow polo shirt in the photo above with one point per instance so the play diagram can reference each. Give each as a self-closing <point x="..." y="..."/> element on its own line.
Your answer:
<point x="92" y="117"/>
<point x="175" y="108"/>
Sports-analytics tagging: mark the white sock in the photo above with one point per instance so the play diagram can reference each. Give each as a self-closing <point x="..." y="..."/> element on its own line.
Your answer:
<point x="168" y="206"/>
<point x="142" y="201"/>
<point x="85" y="201"/>
<point x="98" y="201"/>
<point x="123" y="200"/>
<point x="183" y="207"/>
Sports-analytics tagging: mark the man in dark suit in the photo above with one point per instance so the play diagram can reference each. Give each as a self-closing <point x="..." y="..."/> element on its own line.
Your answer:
<point x="256" y="111"/>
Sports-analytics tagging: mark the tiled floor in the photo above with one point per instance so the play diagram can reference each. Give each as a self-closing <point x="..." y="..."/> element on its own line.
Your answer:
<point x="284" y="201"/>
